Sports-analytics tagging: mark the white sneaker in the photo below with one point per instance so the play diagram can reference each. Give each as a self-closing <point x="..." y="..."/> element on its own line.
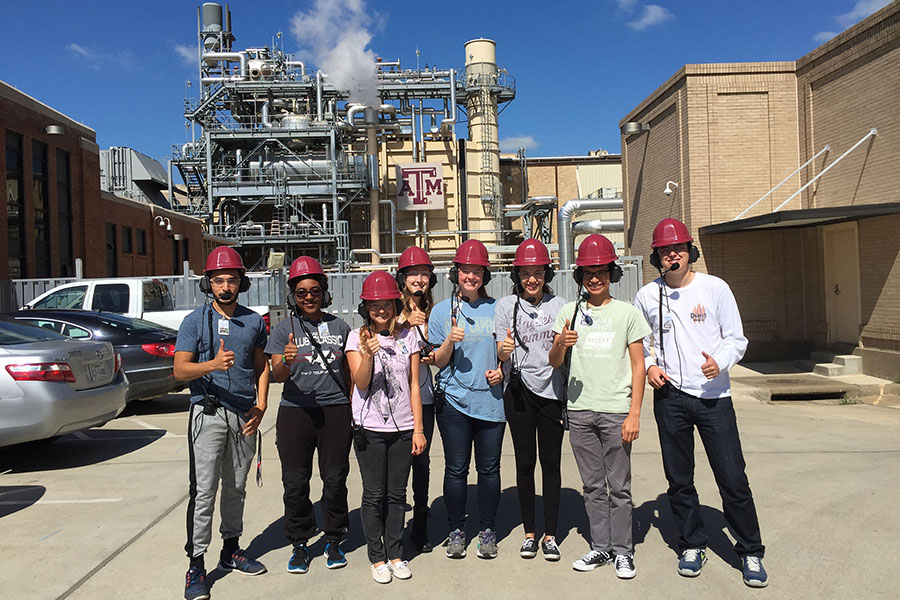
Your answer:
<point x="625" y="566"/>
<point x="381" y="573"/>
<point x="400" y="569"/>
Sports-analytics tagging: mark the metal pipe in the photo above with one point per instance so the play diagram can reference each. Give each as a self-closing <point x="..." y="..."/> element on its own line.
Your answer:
<point x="872" y="132"/>
<point x="564" y="227"/>
<point x="783" y="181"/>
<point x="422" y="128"/>
<point x="212" y="57"/>
<point x="395" y="63"/>
<point x="451" y="120"/>
<point x="598" y="226"/>
<point x="297" y="63"/>
<point x="266" y="120"/>
<point x="415" y="140"/>
<point x="319" y="95"/>
<point x="353" y="110"/>
<point x="371" y="118"/>
<point x="211" y="80"/>
<point x="388" y="109"/>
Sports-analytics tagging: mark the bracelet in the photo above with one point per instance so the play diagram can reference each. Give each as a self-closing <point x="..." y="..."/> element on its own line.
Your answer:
<point x="284" y="362"/>
<point x="418" y="432"/>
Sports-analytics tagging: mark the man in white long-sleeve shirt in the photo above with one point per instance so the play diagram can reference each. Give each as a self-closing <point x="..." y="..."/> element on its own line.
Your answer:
<point x="702" y="339"/>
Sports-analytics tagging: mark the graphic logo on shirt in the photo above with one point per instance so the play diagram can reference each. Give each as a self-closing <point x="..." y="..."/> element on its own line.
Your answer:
<point x="316" y="358"/>
<point x="698" y="314"/>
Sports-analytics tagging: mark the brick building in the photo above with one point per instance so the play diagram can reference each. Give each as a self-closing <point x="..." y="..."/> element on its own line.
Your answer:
<point x="821" y="271"/>
<point x="55" y="211"/>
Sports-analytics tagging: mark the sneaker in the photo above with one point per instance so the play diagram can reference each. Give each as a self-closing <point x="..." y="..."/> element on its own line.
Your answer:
<point x="381" y="573"/>
<point x="754" y="572"/>
<point x="591" y="561"/>
<point x="550" y="549"/>
<point x="240" y="562"/>
<point x="487" y="544"/>
<point x="691" y="561"/>
<point x="195" y="587"/>
<point x="625" y="566"/>
<point x="529" y="548"/>
<point x="456" y="544"/>
<point x="334" y="556"/>
<point x="400" y="569"/>
<point x="299" y="562"/>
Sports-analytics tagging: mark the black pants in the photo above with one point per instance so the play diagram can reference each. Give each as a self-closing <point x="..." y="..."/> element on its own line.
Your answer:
<point x="299" y="432"/>
<point x="384" y="466"/>
<point x="536" y="427"/>
<point x="676" y="415"/>
<point x="421" y="463"/>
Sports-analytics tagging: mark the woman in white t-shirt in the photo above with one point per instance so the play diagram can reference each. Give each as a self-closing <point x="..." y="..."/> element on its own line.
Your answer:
<point x="387" y="420"/>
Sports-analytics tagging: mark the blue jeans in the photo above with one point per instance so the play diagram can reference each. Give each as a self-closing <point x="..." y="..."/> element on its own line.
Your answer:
<point x="676" y="415"/>
<point x="459" y="432"/>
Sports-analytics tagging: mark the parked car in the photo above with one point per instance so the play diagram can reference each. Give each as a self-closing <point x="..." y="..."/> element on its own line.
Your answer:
<point x="51" y="384"/>
<point x="147" y="349"/>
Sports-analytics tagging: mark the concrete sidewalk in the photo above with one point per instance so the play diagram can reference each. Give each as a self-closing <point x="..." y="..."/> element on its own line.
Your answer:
<point x="101" y="515"/>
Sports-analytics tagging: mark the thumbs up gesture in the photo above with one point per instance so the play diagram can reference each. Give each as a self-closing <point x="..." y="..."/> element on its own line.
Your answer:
<point x="290" y="350"/>
<point x="416" y="316"/>
<point x="368" y="345"/>
<point x="456" y="333"/>
<point x="710" y="368"/>
<point x="569" y="336"/>
<point x="507" y="345"/>
<point x="224" y="359"/>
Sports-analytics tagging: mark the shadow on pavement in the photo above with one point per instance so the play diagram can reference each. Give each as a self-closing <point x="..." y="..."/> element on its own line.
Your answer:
<point x="76" y="450"/>
<point x="14" y="498"/>
<point x="164" y="405"/>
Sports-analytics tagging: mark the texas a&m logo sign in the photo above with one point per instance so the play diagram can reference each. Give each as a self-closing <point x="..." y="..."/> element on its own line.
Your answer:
<point x="420" y="186"/>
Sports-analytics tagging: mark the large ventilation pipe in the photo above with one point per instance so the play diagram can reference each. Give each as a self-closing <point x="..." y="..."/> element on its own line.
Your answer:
<point x="213" y="57"/>
<point x="598" y="226"/>
<point x="564" y="228"/>
<point x="370" y="116"/>
<point x="450" y="121"/>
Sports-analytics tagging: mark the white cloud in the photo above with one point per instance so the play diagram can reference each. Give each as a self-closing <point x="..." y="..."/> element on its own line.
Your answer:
<point x="188" y="54"/>
<point x="81" y="50"/>
<point x="824" y="36"/>
<point x="512" y="144"/>
<point x="97" y="59"/>
<point x="652" y="14"/>
<point x="860" y="10"/>
<point x="626" y="5"/>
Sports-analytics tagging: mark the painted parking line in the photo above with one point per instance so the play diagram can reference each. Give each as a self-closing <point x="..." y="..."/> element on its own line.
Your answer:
<point x="146" y="425"/>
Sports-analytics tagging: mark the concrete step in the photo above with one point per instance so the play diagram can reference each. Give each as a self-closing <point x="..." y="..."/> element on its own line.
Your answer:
<point x="821" y="356"/>
<point x="829" y="369"/>
<point x="852" y="364"/>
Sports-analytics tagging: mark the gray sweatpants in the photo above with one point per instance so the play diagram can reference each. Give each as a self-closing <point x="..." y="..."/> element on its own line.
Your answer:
<point x="604" y="462"/>
<point x="218" y="450"/>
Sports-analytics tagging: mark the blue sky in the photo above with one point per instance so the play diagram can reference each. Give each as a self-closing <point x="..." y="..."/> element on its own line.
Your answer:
<point x="120" y="67"/>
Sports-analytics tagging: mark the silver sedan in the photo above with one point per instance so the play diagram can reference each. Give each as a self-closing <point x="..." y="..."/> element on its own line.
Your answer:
<point x="51" y="385"/>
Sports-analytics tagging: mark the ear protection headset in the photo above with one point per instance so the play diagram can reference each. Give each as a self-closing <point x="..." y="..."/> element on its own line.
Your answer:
<point x="693" y="256"/>
<point x="454" y="275"/>
<point x="291" y="299"/>
<point x="364" y="313"/>
<point x="514" y="275"/>
<point x="401" y="279"/>
<point x="206" y="284"/>
<point x="615" y="273"/>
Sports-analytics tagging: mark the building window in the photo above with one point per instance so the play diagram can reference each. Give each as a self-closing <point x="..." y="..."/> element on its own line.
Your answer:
<point x="15" y="206"/>
<point x="142" y="242"/>
<point x="41" y="198"/>
<point x="64" y="210"/>
<point x="126" y="240"/>
<point x="112" y="251"/>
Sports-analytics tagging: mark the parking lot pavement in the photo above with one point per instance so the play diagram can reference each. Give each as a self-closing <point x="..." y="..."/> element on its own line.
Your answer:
<point x="102" y="514"/>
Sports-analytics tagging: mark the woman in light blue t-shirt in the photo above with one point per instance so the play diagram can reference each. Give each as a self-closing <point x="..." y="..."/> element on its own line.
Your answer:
<point x="468" y="397"/>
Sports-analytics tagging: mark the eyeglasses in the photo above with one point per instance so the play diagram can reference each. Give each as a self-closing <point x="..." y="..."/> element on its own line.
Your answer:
<point x="375" y="307"/>
<point x="590" y="275"/>
<point x="677" y="248"/>
<point x="526" y="275"/>
<point x="301" y="293"/>
<point x="229" y="281"/>
<point x="468" y="270"/>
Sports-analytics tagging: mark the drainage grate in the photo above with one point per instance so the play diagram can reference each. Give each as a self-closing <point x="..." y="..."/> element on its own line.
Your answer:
<point x="806" y="396"/>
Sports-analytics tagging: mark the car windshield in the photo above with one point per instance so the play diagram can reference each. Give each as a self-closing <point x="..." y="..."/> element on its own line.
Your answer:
<point x="14" y="332"/>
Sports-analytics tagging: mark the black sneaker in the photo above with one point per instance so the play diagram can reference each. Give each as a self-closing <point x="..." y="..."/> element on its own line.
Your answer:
<point x="334" y="556"/>
<point x="550" y="549"/>
<point x="299" y="562"/>
<point x="240" y="562"/>
<point x="195" y="587"/>
<point x="625" y="566"/>
<point x="529" y="548"/>
<point x="592" y="560"/>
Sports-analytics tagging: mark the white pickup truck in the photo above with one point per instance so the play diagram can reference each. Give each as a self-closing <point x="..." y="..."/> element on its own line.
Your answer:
<point x="138" y="297"/>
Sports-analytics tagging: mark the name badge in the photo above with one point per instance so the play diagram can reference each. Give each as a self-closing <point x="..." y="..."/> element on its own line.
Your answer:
<point x="323" y="329"/>
<point x="223" y="327"/>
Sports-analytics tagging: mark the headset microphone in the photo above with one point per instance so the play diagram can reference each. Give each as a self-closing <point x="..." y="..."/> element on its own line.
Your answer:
<point x="418" y="293"/>
<point x="225" y="296"/>
<point x="674" y="267"/>
<point x="464" y="298"/>
<point x="585" y="295"/>
<point x="385" y="332"/>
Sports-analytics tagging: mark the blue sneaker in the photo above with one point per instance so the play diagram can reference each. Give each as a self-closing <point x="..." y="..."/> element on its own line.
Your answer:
<point x="299" y="562"/>
<point x="240" y="562"/>
<point x="195" y="587"/>
<point x="487" y="544"/>
<point x="456" y="544"/>
<point x="754" y="572"/>
<point x="691" y="561"/>
<point x="334" y="556"/>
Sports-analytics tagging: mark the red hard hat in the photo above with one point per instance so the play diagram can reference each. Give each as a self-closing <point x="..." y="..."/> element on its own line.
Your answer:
<point x="224" y="257"/>
<point x="472" y="252"/>
<point x="305" y="266"/>
<point x="595" y="250"/>
<point x="413" y="256"/>
<point x="379" y="285"/>
<point x="531" y="252"/>
<point x="670" y="231"/>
